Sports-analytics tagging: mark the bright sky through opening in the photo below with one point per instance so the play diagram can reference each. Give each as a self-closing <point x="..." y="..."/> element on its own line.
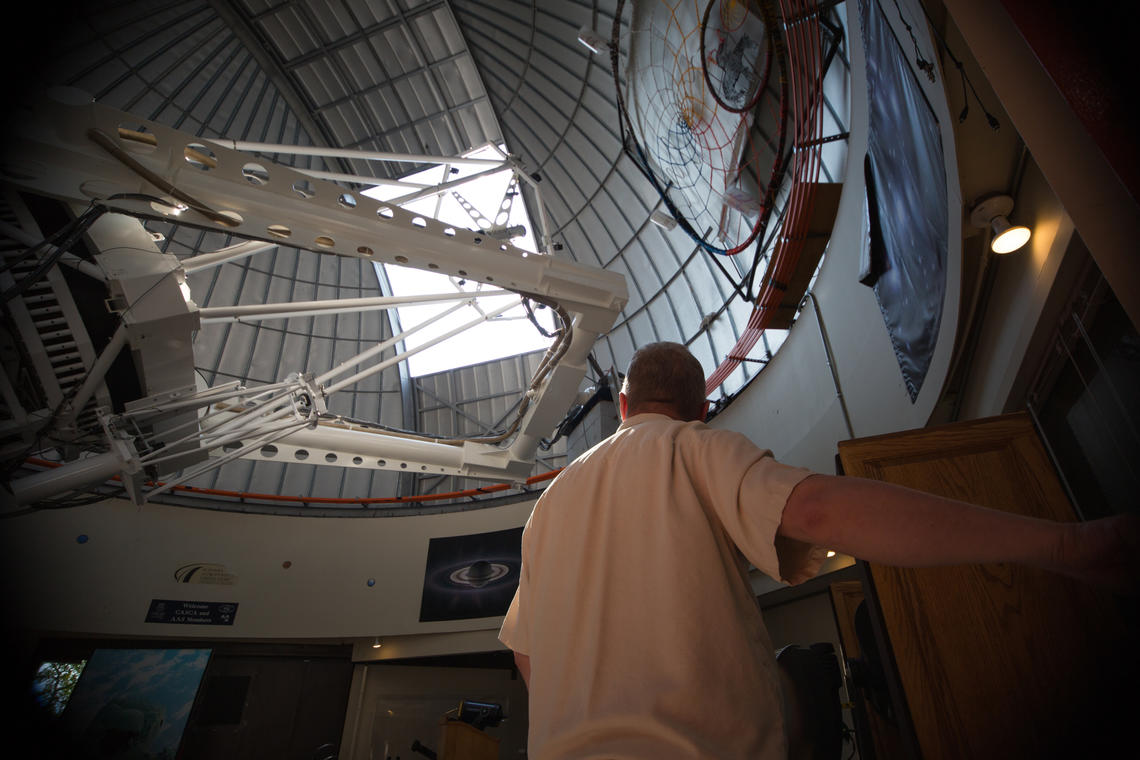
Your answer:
<point x="509" y="335"/>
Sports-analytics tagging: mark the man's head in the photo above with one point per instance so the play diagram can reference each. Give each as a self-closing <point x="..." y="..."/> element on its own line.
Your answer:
<point x="666" y="379"/>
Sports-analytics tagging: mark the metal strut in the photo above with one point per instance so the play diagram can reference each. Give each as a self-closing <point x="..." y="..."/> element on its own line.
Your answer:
<point x="79" y="154"/>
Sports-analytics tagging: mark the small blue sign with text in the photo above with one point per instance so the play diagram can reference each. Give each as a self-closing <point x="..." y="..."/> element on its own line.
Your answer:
<point x="191" y="613"/>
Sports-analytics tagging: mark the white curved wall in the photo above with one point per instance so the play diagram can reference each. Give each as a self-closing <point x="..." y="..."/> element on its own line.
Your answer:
<point x="792" y="406"/>
<point x="104" y="586"/>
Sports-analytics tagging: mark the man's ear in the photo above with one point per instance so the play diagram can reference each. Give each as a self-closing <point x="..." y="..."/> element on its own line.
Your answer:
<point x="623" y="405"/>
<point x="704" y="411"/>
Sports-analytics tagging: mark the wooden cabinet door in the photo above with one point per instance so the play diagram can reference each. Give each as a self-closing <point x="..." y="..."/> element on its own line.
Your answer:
<point x="998" y="661"/>
<point x="462" y="741"/>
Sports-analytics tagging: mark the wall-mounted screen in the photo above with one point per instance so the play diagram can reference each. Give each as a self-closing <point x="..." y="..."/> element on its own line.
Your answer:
<point x="132" y="703"/>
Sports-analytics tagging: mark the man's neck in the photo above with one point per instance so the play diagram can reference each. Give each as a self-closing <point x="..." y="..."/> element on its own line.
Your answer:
<point x="657" y="408"/>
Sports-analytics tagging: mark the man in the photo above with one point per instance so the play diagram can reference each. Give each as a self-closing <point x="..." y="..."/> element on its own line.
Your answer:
<point x="635" y="626"/>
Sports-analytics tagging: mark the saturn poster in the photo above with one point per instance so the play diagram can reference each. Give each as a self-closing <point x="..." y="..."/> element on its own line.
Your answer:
<point x="471" y="576"/>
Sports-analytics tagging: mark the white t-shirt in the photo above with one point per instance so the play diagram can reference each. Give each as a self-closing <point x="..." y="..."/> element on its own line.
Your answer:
<point x="634" y="606"/>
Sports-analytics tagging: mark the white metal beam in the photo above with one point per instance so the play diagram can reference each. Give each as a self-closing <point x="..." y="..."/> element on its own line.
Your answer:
<point x="76" y="152"/>
<point x="260" y="311"/>
<point x="367" y="155"/>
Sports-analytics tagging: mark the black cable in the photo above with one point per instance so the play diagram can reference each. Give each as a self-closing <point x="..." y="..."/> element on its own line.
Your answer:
<point x="923" y="64"/>
<point x="143" y="197"/>
<point x="534" y="320"/>
<point x="161" y="183"/>
<point x="594" y="363"/>
<point x="849" y="735"/>
<point x="990" y="118"/>
<point x="75" y="230"/>
<point x="80" y="499"/>
<point x="41" y="438"/>
<point x="574" y="417"/>
<point x="35" y="249"/>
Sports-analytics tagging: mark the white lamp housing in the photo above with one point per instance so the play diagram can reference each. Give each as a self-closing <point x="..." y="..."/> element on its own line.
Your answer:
<point x="992" y="212"/>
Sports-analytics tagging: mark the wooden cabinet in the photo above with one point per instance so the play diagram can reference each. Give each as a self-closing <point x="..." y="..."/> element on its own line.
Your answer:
<point x="997" y="661"/>
<point x="462" y="741"/>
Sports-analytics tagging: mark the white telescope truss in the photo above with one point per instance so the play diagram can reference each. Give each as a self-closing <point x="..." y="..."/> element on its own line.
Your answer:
<point x="89" y="155"/>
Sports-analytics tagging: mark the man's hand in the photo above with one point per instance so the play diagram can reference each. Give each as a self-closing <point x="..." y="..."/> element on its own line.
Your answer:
<point x="1104" y="553"/>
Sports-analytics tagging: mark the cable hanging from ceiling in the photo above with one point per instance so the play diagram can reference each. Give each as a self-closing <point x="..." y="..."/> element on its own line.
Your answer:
<point x="928" y="67"/>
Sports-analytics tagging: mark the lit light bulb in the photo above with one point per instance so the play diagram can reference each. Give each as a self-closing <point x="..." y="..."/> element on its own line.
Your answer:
<point x="993" y="212"/>
<point x="1007" y="238"/>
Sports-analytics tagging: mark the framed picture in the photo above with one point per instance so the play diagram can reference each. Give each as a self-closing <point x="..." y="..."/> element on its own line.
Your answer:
<point x="471" y="576"/>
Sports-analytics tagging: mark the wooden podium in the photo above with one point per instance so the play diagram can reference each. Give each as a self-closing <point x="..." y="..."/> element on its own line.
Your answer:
<point x="995" y="661"/>
<point x="462" y="741"/>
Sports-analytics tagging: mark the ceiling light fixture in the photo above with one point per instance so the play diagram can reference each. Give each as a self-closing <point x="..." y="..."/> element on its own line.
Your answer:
<point x="993" y="212"/>
<point x="592" y="40"/>
<point x="663" y="220"/>
<point x="376" y="643"/>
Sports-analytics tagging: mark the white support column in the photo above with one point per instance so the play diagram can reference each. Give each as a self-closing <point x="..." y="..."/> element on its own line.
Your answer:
<point x="411" y="352"/>
<point x="383" y="346"/>
<point x="443" y="186"/>
<point x="230" y="253"/>
<point x="367" y="155"/>
<point x="82" y="473"/>
<point x="546" y="244"/>
<point x="254" y="312"/>
<point x="356" y="178"/>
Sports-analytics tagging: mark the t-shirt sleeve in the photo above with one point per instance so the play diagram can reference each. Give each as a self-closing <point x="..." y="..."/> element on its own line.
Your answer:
<point x="749" y="493"/>
<point x="515" y="633"/>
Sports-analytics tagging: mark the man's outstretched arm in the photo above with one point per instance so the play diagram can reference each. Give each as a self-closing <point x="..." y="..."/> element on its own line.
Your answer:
<point x="893" y="525"/>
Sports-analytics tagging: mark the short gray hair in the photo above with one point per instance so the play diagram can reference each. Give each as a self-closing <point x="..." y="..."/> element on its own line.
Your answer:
<point x="666" y="373"/>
